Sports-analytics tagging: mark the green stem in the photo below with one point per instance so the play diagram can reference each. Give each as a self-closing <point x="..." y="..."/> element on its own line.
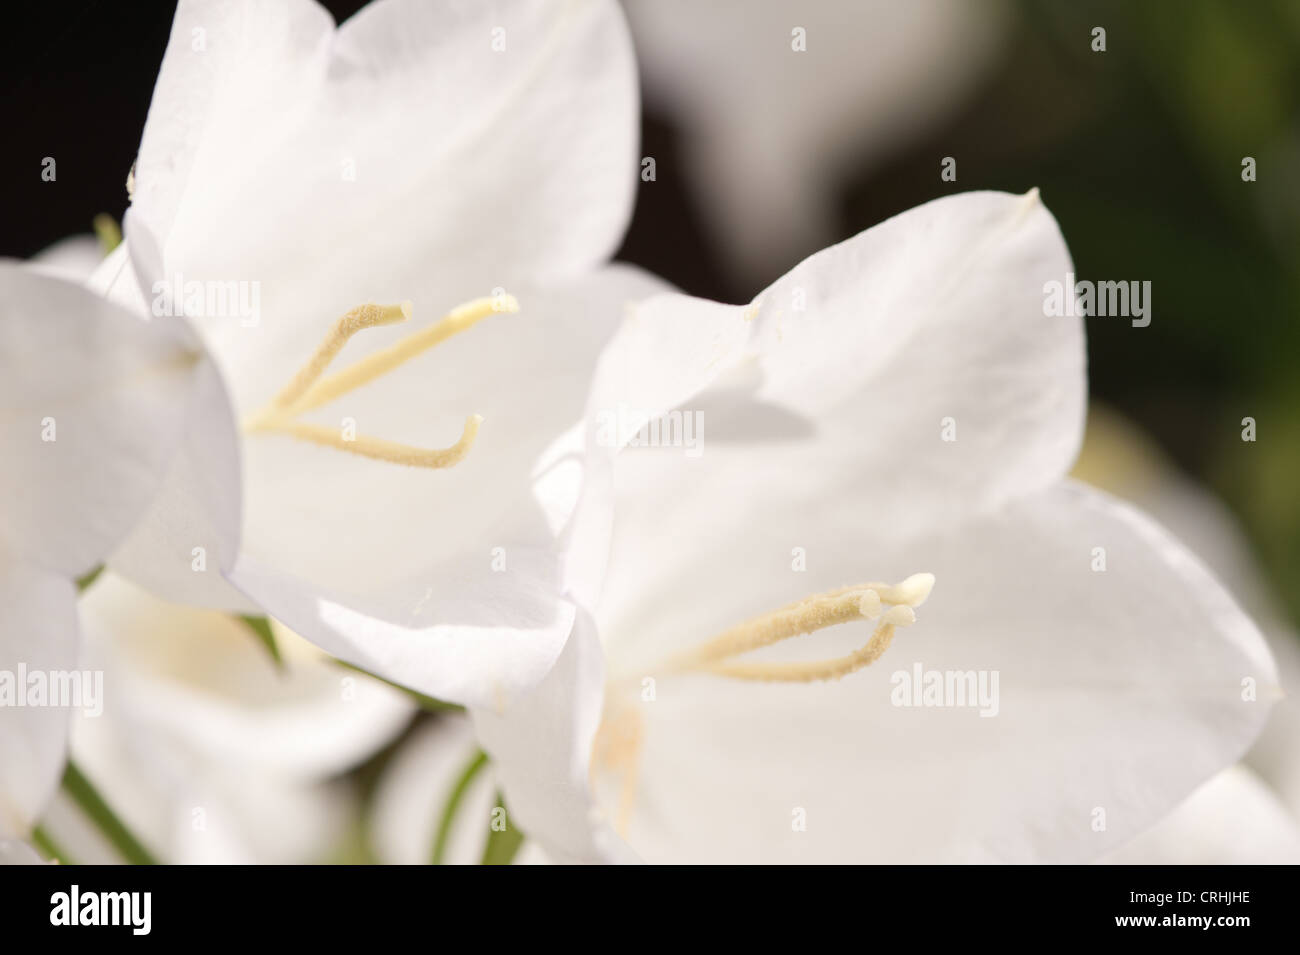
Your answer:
<point x="45" y="842"/>
<point x="77" y="786"/>
<point x="502" y="844"/>
<point x="453" y="803"/>
<point x="261" y="627"/>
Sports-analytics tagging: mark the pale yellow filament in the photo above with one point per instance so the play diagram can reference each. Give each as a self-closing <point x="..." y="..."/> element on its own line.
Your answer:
<point x="309" y="388"/>
<point x="382" y="362"/>
<point x="363" y="316"/>
<point x="617" y="749"/>
<point x="816" y="670"/>
<point x="817" y="612"/>
<point x="805" y="616"/>
<point x="378" y="448"/>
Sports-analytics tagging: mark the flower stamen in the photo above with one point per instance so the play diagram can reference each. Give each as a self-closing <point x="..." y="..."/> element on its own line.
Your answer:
<point x="380" y="449"/>
<point x="821" y="670"/>
<point x="620" y="738"/>
<point x="310" y="388"/>
<point x="616" y="749"/>
<point x="817" y="612"/>
<point x="363" y="316"/>
<point x="459" y="319"/>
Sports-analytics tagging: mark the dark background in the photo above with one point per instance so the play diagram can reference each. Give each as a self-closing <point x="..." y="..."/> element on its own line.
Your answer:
<point x="1137" y="153"/>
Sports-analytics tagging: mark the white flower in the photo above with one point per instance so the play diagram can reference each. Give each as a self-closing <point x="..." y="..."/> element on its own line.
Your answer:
<point x="17" y="852"/>
<point x="1233" y="819"/>
<point x="828" y="403"/>
<point x="208" y="751"/>
<point x="771" y="130"/>
<point x="74" y="258"/>
<point x="94" y="402"/>
<point x="1248" y="813"/>
<point x="479" y="154"/>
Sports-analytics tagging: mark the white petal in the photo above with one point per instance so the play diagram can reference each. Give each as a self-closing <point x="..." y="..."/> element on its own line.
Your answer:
<point x="936" y="314"/>
<point x="1234" y="819"/>
<point x="281" y="821"/>
<point x="1274" y="756"/>
<point x="669" y="349"/>
<point x="73" y="259"/>
<point x="541" y="748"/>
<point x="866" y="353"/>
<point x="1119" y="691"/>
<point x="40" y="637"/>
<point x="190" y="534"/>
<point x="94" y="404"/>
<point x="17" y="852"/>
<point x="228" y="69"/>
<point x="191" y="809"/>
<point x="335" y="168"/>
<point x="1118" y="458"/>
<point x="458" y="630"/>
<point x="206" y="679"/>
<point x="114" y="279"/>
<point x="208" y="752"/>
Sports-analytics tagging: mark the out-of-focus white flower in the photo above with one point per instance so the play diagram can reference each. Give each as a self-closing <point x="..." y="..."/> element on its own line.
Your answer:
<point x="1234" y="819"/>
<point x="206" y="749"/>
<point x="412" y="797"/>
<point x="94" y="403"/>
<point x="773" y="130"/>
<point x="73" y="259"/>
<point x="18" y="852"/>
<point x="897" y="406"/>
<point x="1248" y="813"/>
<point x="429" y="152"/>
